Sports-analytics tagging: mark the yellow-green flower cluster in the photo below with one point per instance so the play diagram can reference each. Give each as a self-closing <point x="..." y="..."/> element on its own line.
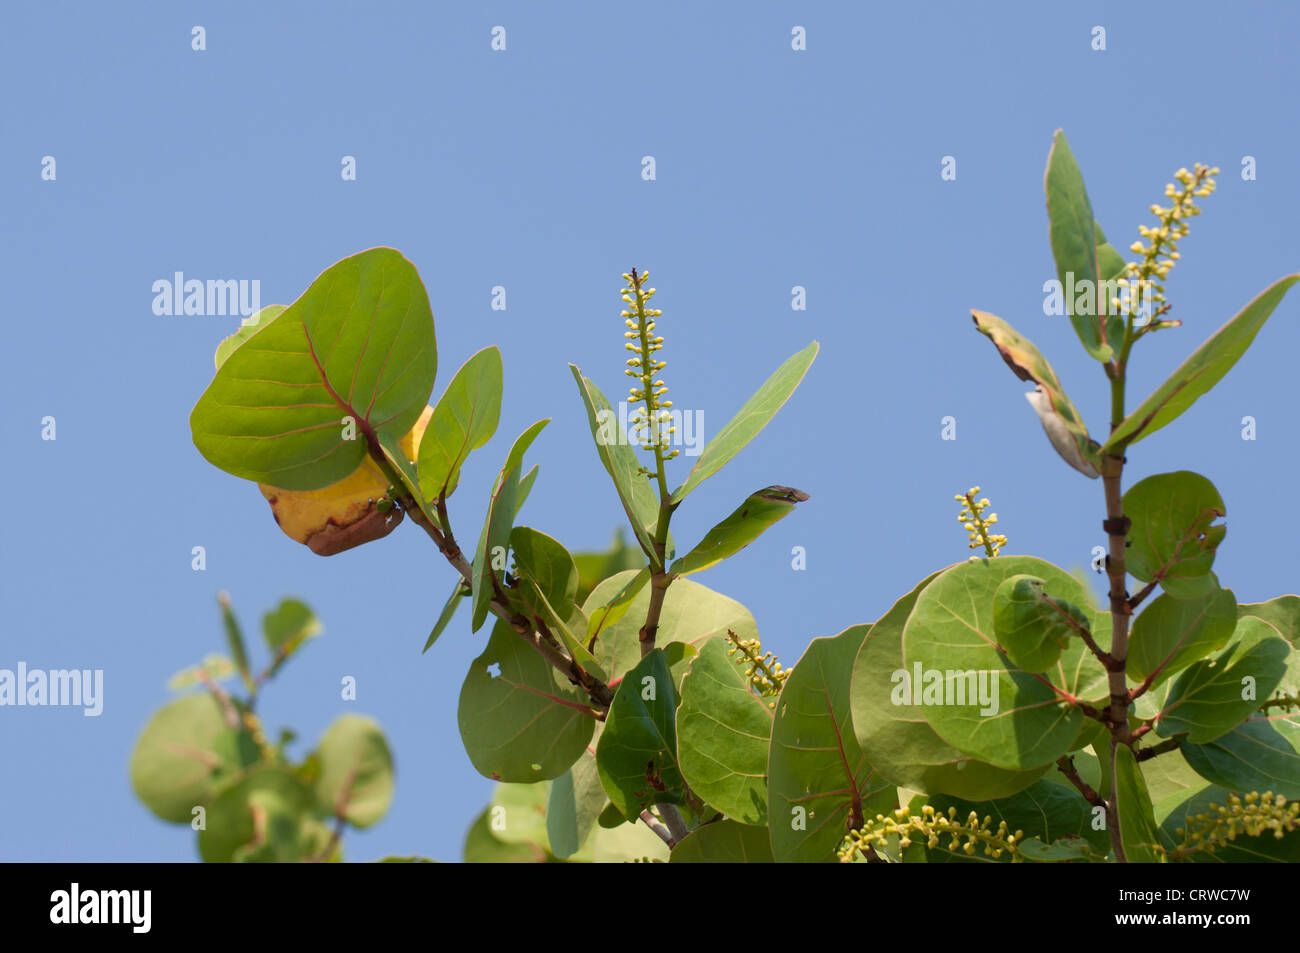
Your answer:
<point x="1161" y="251"/>
<point x="1253" y="815"/>
<point x="931" y="828"/>
<point x="977" y="524"/>
<point x="765" y="672"/>
<point x="651" y="422"/>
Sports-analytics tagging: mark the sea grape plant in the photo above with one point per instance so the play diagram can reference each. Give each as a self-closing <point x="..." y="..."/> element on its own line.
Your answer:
<point x="205" y="760"/>
<point x="629" y="712"/>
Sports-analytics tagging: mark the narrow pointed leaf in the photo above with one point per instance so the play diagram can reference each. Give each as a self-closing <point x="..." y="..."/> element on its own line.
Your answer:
<point x="1200" y="372"/>
<point x="464" y="419"/>
<point x="749" y="420"/>
<point x="750" y="520"/>
<point x="1137" y="822"/>
<point x="497" y="523"/>
<point x="447" y="614"/>
<point x="621" y="463"/>
<point x="359" y="344"/>
<point x="1083" y="257"/>
<point x="1060" y="419"/>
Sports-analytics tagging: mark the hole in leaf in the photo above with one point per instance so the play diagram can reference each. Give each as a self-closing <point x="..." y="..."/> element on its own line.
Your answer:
<point x="494" y="669"/>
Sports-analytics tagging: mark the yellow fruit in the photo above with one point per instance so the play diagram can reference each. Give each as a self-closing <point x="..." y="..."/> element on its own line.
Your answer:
<point x="344" y="514"/>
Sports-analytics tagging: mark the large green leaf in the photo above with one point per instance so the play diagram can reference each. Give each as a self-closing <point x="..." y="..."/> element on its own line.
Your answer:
<point x="185" y="751"/>
<point x="637" y="752"/>
<point x="1205" y="368"/>
<point x="691" y="614"/>
<point x="1260" y="754"/>
<point x="1083" y="257"/>
<point x="897" y="739"/>
<point x="723" y="732"/>
<point x="356" y="770"/>
<point x="1046" y="810"/>
<point x="617" y="454"/>
<point x="1133" y="811"/>
<point x="358" y="344"/>
<point x="724" y="842"/>
<point x="1170" y="634"/>
<point x="1060" y="419"/>
<point x="750" y="520"/>
<point x="1023" y="720"/>
<point x="819" y="783"/>
<point x="522" y="722"/>
<point x="1171" y="540"/>
<point x="1210" y="698"/>
<point x="749" y="420"/>
<point x="502" y="508"/>
<point x="464" y="419"/>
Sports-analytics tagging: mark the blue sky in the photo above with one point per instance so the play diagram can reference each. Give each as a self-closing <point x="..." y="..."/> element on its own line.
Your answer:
<point x="522" y="168"/>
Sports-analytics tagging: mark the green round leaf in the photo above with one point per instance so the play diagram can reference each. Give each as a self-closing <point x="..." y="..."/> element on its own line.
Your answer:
<point x="897" y="740"/>
<point x="358" y="344"/>
<point x="1031" y="625"/>
<point x="968" y="689"/>
<point x="521" y="721"/>
<point x="184" y="753"/>
<point x="1171" y="536"/>
<point x="356" y="770"/>
<point x="1170" y="634"/>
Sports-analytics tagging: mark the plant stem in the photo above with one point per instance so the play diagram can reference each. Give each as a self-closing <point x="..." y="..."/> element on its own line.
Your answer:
<point x="600" y="693"/>
<point x="1116" y="526"/>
